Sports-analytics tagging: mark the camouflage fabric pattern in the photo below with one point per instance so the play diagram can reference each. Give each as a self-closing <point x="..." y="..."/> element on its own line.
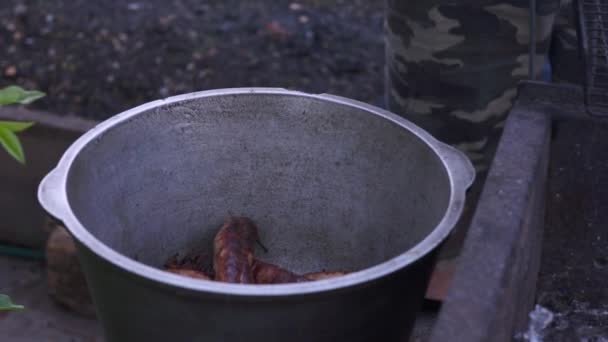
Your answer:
<point x="563" y="53"/>
<point x="453" y="66"/>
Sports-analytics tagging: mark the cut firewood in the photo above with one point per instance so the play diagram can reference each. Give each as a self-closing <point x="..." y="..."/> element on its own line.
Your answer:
<point x="67" y="285"/>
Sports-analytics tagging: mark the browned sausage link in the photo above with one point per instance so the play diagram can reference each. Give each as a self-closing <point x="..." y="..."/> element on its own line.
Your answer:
<point x="189" y="273"/>
<point x="323" y="275"/>
<point x="233" y="248"/>
<point x="265" y="273"/>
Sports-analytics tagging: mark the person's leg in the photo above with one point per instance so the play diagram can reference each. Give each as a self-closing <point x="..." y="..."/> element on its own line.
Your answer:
<point x="566" y="63"/>
<point x="453" y="68"/>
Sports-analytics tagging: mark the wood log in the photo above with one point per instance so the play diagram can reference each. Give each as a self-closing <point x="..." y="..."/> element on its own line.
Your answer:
<point x="66" y="282"/>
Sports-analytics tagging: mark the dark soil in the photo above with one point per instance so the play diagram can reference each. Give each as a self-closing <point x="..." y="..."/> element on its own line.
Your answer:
<point x="97" y="58"/>
<point x="573" y="281"/>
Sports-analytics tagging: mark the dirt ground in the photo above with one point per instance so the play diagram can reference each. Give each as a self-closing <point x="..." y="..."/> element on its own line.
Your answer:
<point x="573" y="280"/>
<point x="97" y="58"/>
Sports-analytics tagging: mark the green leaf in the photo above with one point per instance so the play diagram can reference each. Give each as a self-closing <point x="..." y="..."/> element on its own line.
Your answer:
<point x="7" y="304"/>
<point x="15" y="126"/>
<point x="14" y="94"/>
<point x="11" y="144"/>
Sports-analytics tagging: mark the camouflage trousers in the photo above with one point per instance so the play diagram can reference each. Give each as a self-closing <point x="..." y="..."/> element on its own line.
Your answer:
<point x="453" y="65"/>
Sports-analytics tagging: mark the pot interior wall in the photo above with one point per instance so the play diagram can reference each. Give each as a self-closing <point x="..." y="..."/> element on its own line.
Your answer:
<point x="330" y="186"/>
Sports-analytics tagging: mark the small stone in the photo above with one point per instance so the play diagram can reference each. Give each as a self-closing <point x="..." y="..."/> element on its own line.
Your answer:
<point x="17" y="36"/>
<point x="294" y="6"/>
<point x="117" y="45"/>
<point x="201" y="9"/>
<point x="303" y="19"/>
<point x="29" y="41"/>
<point x="20" y="9"/>
<point x="190" y="66"/>
<point x="134" y="6"/>
<point x="203" y="73"/>
<point x="166" y="20"/>
<point x="110" y="78"/>
<point x="561" y="324"/>
<point x="10" y="71"/>
<point x="49" y="18"/>
<point x="540" y="318"/>
<point x="276" y="30"/>
<point x="115" y="65"/>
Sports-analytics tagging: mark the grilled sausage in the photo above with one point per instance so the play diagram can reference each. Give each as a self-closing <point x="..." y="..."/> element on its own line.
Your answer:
<point x="265" y="273"/>
<point x="233" y="249"/>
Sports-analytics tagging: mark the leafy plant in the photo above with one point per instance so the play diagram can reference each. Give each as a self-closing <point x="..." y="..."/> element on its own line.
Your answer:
<point x="8" y="129"/>
<point x="10" y="142"/>
<point x="7" y="304"/>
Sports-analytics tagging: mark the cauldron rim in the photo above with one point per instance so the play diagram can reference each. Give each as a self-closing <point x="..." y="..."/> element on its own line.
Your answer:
<point x="52" y="194"/>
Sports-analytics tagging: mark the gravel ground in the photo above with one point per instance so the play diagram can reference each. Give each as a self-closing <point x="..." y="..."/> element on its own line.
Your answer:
<point x="97" y="58"/>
